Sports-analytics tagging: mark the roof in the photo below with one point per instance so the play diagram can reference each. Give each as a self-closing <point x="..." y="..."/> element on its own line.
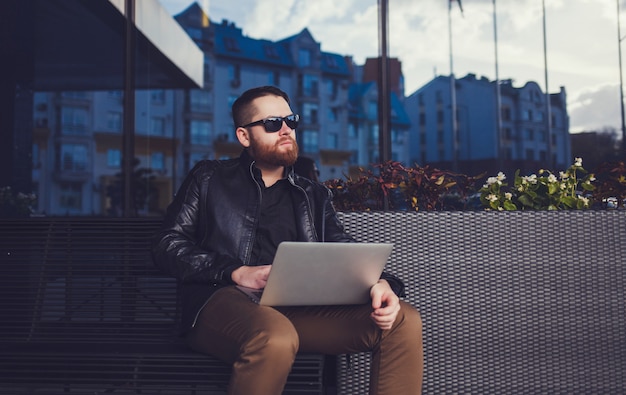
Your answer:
<point x="230" y="42"/>
<point x="79" y="45"/>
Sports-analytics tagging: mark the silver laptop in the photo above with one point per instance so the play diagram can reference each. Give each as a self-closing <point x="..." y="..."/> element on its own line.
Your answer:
<point x="306" y="273"/>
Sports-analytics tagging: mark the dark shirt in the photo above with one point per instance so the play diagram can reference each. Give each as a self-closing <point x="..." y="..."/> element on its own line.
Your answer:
<point x="276" y="223"/>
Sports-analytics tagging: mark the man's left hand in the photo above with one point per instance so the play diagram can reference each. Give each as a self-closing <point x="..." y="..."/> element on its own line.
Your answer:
<point x="385" y="303"/>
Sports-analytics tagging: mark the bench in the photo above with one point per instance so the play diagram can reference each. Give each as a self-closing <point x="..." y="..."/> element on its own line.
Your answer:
<point x="514" y="302"/>
<point x="85" y="311"/>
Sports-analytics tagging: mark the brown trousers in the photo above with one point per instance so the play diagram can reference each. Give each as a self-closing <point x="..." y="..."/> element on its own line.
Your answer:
<point x="261" y="342"/>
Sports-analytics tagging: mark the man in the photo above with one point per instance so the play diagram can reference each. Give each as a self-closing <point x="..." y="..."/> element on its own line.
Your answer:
<point x="222" y="230"/>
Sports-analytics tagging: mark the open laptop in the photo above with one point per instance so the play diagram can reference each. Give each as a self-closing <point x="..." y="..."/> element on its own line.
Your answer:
<point x="308" y="273"/>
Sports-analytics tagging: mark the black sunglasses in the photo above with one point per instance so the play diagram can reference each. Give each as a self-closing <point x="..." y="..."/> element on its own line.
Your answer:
<point x="273" y="124"/>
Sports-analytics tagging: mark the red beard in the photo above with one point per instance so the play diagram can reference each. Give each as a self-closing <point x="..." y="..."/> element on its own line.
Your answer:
<point x="271" y="154"/>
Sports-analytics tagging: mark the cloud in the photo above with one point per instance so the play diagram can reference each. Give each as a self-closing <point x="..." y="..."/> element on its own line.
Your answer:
<point x="595" y="109"/>
<point x="581" y="40"/>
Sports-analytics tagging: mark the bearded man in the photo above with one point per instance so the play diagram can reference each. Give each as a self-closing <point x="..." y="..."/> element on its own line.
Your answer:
<point x="223" y="228"/>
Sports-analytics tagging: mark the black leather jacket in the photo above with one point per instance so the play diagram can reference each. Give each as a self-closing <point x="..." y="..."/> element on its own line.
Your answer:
<point x="210" y="226"/>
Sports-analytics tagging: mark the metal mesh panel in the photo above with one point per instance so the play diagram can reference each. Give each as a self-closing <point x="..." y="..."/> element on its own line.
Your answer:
<point x="519" y="302"/>
<point x="85" y="311"/>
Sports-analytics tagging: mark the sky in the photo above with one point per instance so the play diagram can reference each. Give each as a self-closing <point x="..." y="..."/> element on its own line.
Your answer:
<point x="581" y="41"/>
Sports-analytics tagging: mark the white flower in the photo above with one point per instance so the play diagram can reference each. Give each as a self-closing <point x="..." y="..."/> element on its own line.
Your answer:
<point x="563" y="175"/>
<point x="563" y="186"/>
<point x="508" y="195"/>
<point x="501" y="177"/>
<point x="552" y="178"/>
<point x="492" y="198"/>
<point x="584" y="199"/>
<point x="531" y="179"/>
<point x="491" y="180"/>
<point x="578" y="162"/>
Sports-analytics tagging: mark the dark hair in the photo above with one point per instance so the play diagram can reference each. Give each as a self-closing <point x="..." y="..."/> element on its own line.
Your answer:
<point x="242" y="110"/>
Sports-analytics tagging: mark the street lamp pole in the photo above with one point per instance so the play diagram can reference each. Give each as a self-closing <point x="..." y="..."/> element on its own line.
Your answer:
<point x="621" y="84"/>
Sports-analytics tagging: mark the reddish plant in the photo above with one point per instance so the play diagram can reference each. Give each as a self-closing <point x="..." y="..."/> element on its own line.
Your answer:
<point x="405" y="188"/>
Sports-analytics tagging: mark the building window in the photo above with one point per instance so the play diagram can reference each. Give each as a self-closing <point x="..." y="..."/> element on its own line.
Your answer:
<point x="332" y="88"/>
<point x="530" y="134"/>
<point x="332" y="140"/>
<point x="440" y="116"/>
<point x="310" y="113"/>
<point x="157" y="96"/>
<point x="234" y="75"/>
<point x="396" y="136"/>
<point x="157" y="126"/>
<point x="374" y="133"/>
<point x="353" y="131"/>
<point x="74" y="120"/>
<point x="200" y="132"/>
<point x="157" y="161"/>
<point x="270" y="51"/>
<point x="116" y="94"/>
<point x="310" y="141"/>
<point x="74" y="94"/>
<point x="354" y="157"/>
<point x="304" y="57"/>
<point x="506" y="113"/>
<point x="114" y="158"/>
<point x="231" y="44"/>
<point x="73" y="157"/>
<point x="507" y="134"/>
<point x="199" y="101"/>
<point x="422" y="118"/>
<point x="333" y="114"/>
<point x="114" y="121"/>
<point x="274" y="78"/>
<point x="309" y="85"/>
<point x="372" y="110"/>
<point x="71" y="195"/>
<point x="530" y="154"/>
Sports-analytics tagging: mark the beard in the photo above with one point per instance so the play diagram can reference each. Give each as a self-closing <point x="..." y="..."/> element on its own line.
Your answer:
<point x="271" y="154"/>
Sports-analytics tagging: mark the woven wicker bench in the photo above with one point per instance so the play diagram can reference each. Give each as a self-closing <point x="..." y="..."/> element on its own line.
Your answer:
<point x="515" y="303"/>
<point x="85" y="311"/>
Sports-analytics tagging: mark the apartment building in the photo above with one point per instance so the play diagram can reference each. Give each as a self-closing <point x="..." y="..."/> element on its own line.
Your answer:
<point x="524" y="141"/>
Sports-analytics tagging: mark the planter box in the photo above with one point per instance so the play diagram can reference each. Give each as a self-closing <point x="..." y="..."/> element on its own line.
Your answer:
<point x="512" y="302"/>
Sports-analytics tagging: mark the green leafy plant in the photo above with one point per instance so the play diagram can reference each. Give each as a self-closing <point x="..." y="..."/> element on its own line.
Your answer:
<point x="13" y="205"/>
<point x="405" y="188"/>
<point x="571" y="189"/>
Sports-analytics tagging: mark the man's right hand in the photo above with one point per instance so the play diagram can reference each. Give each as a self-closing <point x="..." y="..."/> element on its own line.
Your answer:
<point x="252" y="276"/>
